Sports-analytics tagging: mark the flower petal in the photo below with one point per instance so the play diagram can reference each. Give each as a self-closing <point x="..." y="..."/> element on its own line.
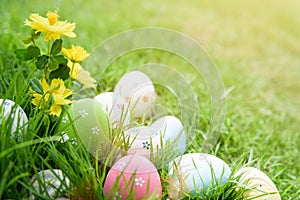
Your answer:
<point x="55" y="110"/>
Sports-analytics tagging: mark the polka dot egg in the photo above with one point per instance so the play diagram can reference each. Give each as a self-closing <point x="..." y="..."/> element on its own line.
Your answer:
<point x="137" y="89"/>
<point x="8" y="109"/>
<point x="261" y="186"/>
<point x="132" y="177"/>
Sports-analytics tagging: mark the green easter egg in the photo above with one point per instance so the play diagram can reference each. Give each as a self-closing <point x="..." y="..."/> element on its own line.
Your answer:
<point x="86" y="122"/>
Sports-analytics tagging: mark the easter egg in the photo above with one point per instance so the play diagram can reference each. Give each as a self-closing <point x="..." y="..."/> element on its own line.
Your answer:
<point x="132" y="177"/>
<point x="196" y="171"/>
<point x="8" y="109"/>
<point x="116" y="107"/>
<point x="137" y="89"/>
<point x="165" y="135"/>
<point x="50" y="183"/>
<point x="261" y="186"/>
<point x="86" y="120"/>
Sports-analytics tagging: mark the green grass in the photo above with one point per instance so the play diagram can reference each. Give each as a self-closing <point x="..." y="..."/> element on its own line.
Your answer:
<point x="254" y="44"/>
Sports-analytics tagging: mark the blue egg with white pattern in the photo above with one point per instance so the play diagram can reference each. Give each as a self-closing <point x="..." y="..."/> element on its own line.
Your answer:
<point x="86" y="120"/>
<point x="196" y="172"/>
<point x="165" y="135"/>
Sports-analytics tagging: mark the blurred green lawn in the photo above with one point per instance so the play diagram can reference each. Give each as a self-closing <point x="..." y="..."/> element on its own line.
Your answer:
<point x="255" y="45"/>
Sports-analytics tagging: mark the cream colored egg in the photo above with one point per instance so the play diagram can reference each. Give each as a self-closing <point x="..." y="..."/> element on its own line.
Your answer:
<point x="261" y="186"/>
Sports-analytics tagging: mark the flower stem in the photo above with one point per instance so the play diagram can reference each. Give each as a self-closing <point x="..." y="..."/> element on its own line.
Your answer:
<point x="49" y="47"/>
<point x="47" y="73"/>
<point x="70" y="76"/>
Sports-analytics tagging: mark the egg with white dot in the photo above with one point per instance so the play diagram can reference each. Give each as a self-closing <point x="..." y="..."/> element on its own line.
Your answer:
<point x="137" y="89"/>
<point x="132" y="177"/>
<point x="86" y="120"/>
<point x="166" y="135"/>
<point x="50" y="183"/>
<point x="116" y="107"/>
<point x="261" y="186"/>
<point x="196" y="172"/>
<point x="9" y="110"/>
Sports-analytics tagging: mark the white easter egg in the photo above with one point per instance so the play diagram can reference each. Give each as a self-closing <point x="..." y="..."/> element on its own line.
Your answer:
<point x="196" y="171"/>
<point x="116" y="107"/>
<point x="132" y="177"/>
<point x="138" y="90"/>
<point x="8" y="109"/>
<point x="259" y="184"/>
<point x="166" y="135"/>
<point x="50" y="183"/>
<point x="86" y="120"/>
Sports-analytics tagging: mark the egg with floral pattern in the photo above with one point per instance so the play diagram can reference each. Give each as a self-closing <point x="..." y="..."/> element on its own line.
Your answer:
<point x="9" y="110"/>
<point x="50" y="183"/>
<point x="165" y="136"/>
<point x="116" y="107"/>
<point x="261" y="187"/>
<point x="137" y="89"/>
<point x="132" y="177"/>
<point x="86" y="120"/>
<point x="196" y="171"/>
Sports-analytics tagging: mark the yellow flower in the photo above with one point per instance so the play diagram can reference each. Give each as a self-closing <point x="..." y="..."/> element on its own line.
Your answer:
<point x="50" y="26"/>
<point x="75" y="54"/>
<point x="58" y="91"/>
<point x="81" y="75"/>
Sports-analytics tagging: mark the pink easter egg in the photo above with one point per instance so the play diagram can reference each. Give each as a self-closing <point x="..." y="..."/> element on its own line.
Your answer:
<point x="132" y="177"/>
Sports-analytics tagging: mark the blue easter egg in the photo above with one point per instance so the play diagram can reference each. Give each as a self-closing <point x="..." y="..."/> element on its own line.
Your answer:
<point x="197" y="171"/>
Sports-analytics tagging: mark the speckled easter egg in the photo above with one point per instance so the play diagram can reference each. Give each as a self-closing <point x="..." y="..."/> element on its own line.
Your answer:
<point x="86" y="120"/>
<point x="196" y="171"/>
<point x="166" y="135"/>
<point x="8" y="109"/>
<point x="132" y="177"/>
<point x="259" y="184"/>
<point x="116" y="107"/>
<point x="138" y="90"/>
<point x="50" y="183"/>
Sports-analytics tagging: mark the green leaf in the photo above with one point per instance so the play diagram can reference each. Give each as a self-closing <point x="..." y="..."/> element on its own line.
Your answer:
<point x="27" y="40"/>
<point x="33" y="51"/>
<point x="22" y="54"/>
<point x="41" y="62"/>
<point x="46" y="120"/>
<point x="20" y="51"/>
<point x="61" y="59"/>
<point x="56" y="47"/>
<point x="52" y="64"/>
<point x="36" y="85"/>
<point x="62" y="72"/>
